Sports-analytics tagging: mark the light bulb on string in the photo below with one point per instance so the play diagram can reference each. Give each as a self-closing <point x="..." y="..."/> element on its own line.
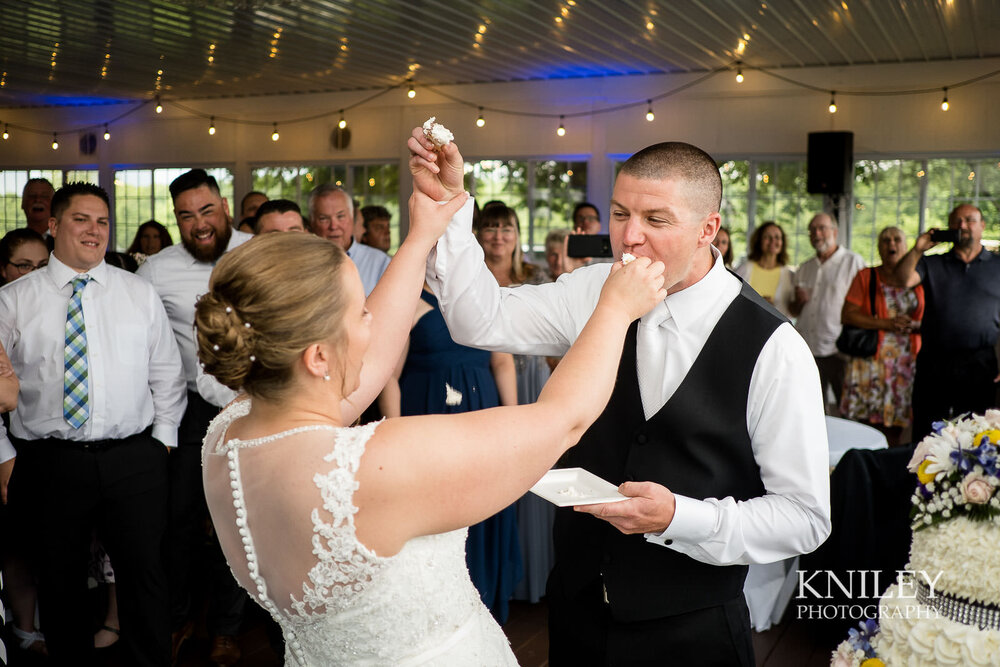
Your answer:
<point x="649" y="111"/>
<point x="274" y="135"/>
<point x="562" y="130"/>
<point x="159" y="107"/>
<point x="411" y="93"/>
<point x="6" y="132"/>
<point x="343" y="123"/>
<point x="480" y="121"/>
<point x="944" y="102"/>
<point x="739" y="75"/>
<point x="833" y="102"/>
<point x="211" y="125"/>
<point x="55" y="141"/>
<point x="107" y="132"/>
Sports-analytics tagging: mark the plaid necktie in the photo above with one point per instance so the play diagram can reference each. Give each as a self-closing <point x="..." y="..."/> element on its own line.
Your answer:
<point x="76" y="409"/>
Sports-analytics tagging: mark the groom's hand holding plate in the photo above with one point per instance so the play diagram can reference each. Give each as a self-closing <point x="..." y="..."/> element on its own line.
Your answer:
<point x="649" y="508"/>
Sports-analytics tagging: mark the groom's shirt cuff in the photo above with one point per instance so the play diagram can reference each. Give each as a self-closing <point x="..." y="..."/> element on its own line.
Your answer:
<point x="694" y="521"/>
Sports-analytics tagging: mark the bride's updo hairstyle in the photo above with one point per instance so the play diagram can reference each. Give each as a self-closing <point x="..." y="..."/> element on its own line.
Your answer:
<point x="269" y="300"/>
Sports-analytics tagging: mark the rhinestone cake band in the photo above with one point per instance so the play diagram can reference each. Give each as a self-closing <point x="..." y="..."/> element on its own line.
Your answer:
<point x="983" y="616"/>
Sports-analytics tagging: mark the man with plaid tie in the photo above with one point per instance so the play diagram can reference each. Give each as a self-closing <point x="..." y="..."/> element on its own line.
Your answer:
<point x="102" y="394"/>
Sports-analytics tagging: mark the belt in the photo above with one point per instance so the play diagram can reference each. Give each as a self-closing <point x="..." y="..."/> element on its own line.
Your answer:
<point x="90" y="446"/>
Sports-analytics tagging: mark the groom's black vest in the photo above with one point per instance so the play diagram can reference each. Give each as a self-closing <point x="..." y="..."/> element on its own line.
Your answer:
<point x="697" y="445"/>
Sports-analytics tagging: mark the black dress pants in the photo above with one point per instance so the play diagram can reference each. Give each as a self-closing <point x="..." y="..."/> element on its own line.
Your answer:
<point x="118" y="487"/>
<point x="194" y="557"/>
<point x="949" y="383"/>
<point x="582" y="633"/>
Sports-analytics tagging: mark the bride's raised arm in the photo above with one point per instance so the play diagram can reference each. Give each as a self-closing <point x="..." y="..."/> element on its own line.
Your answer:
<point x="424" y="475"/>
<point x="395" y="297"/>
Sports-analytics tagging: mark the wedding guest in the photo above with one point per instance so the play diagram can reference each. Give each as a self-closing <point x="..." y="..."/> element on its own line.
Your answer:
<point x="36" y="202"/>
<point x="279" y="215"/>
<point x="331" y="216"/>
<point x="98" y="436"/>
<point x="352" y="538"/>
<point x="821" y="284"/>
<point x="957" y="366"/>
<point x="723" y="241"/>
<point x="246" y="225"/>
<point x="378" y="232"/>
<point x="250" y="203"/>
<point x="712" y="486"/>
<point x="150" y="238"/>
<point x="180" y="274"/>
<point x="766" y="267"/>
<point x="877" y="390"/>
<point x="586" y="218"/>
<point x="22" y="251"/>
<point x="557" y="255"/>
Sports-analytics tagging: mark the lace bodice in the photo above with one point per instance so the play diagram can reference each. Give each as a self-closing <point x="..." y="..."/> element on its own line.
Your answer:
<point x="337" y="602"/>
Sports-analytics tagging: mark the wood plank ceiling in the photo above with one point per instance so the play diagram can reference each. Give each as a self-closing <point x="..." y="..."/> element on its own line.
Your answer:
<point x="88" y="51"/>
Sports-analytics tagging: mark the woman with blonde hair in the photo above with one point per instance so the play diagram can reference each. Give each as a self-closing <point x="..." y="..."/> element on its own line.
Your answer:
<point x="352" y="538"/>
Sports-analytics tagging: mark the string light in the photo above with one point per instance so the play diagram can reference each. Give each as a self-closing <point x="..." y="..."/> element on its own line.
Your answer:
<point x="274" y="135"/>
<point x="211" y="125"/>
<point x="562" y="130"/>
<point x="55" y="141"/>
<point x="159" y="107"/>
<point x="6" y="133"/>
<point x="944" y="102"/>
<point x="739" y="75"/>
<point x="649" y="111"/>
<point x="480" y="121"/>
<point x="411" y="93"/>
<point x="343" y="123"/>
<point x="107" y="132"/>
<point x="833" y="102"/>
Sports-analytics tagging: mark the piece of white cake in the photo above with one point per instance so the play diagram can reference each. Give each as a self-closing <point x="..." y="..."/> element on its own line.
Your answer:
<point x="627" y="257"/>
<point x="437" y="133"/>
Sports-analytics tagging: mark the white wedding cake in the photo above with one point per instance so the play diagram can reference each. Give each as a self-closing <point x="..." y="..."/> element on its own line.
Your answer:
<point x="945" y="609"/>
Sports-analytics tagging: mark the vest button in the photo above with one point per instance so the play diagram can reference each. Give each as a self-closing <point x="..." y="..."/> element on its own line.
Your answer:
<point x="641" y="438"/>
<point x="668" y="542"/>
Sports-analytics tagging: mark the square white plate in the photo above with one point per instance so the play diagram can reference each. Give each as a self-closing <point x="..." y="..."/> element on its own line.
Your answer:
<point x="565" y="487"/>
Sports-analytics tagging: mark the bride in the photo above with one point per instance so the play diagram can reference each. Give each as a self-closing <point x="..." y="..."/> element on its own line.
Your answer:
<point x="353" y="537"/>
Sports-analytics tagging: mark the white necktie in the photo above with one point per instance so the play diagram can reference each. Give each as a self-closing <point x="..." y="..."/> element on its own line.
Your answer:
<point x="651" y="357"/>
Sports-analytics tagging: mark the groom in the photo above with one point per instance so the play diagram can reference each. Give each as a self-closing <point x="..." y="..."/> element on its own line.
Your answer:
<point x="715" y="429"/>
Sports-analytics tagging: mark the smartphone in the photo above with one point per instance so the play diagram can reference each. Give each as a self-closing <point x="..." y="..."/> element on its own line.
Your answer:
<point x="588" y="245"/>
<point x="944" y="235"/>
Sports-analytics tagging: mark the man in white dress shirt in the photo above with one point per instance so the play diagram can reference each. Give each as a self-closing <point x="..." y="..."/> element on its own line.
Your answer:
<point x="715" y="430"/>
<point x="821" y="284"/>
<point x="331" y="216"/>
<point x="180" y="274"/>
<point x="101" y="394"/>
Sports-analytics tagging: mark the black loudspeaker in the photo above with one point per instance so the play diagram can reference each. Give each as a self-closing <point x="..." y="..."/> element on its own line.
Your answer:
<point x="830" y="167"/>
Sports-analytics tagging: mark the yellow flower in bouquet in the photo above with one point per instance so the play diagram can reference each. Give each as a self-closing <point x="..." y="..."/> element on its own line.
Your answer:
<point x="872" y="662"/>
<point x="993" y="435"/>
<point x="922" y="473"/>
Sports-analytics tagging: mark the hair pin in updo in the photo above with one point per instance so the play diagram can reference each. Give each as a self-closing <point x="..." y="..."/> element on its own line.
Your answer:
<point x="252" y="358"/>
<point x="228" y="309"/>
<point x="246" y="324"/>
<point x="215" y="348"/>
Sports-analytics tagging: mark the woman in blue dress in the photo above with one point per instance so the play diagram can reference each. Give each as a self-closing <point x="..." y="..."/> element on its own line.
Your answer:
<point x="438" y="376"/>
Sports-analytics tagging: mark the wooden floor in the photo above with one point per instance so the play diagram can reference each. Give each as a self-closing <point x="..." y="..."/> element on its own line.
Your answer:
<point x="789" y="644"/>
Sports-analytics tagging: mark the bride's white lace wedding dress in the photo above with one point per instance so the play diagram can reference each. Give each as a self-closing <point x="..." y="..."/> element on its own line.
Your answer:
<point x="285" y="520"/>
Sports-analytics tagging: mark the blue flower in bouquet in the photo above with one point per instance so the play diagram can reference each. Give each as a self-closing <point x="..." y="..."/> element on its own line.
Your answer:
<point x="937" y="427"/>
<point x="860" y="640"/>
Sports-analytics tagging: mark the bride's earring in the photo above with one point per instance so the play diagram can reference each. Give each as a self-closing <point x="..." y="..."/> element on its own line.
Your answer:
<point x="326" y="376"/>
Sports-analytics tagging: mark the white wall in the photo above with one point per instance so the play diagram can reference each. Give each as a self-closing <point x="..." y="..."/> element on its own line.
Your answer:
<point x="763" y="117"/>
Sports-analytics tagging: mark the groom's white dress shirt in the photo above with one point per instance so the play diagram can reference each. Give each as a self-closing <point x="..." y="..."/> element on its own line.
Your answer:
<point x="784" y="409"/>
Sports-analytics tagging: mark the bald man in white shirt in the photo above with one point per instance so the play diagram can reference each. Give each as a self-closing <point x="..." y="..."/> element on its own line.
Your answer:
<point x="102" y="394"/>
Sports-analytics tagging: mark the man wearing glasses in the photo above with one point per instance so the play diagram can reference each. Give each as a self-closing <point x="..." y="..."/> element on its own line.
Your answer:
<point x="821" y="284"/>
